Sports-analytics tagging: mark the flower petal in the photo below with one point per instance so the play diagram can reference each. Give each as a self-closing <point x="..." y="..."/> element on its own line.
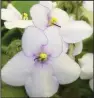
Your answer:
<point x="47" y="4"/>
<point x="76" y="31"/>
<point x="18" y="24"/>
<point x="54" y="45"/>
<point x="12" y="8"/>
<point x="66" y="70"/>
<point x="8" y="15"/>
<point x="86" y="63"/>
<point x="61" y="15"/>
<point x="86" y="60"/>
<point x="41" y="83"/>
<point x="32" y="40"/>
<point x="91" y="84"/>
<point x="88" y="5"/>
<point x="78" y="48"/>
<point x="65" y="47"/>
<point x="86" y="73"/>
<point x="17" y="70"/>
<point x="39" y="16"/>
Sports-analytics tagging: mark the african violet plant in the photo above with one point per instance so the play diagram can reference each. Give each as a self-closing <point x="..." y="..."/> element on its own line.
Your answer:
<point x="46" y="51"/>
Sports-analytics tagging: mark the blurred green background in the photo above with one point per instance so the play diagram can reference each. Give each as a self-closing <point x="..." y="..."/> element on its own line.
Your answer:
<point x="11" y="44"/>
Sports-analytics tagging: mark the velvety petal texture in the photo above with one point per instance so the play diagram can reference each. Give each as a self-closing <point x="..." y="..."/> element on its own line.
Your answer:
<point x="65" y="69"/>
<point x="32" y="39"/>
<point x="54" y="45"/>
<point x="41" y="83"/>
<point x="61" y="16"/>
<point x="39" y="16"/>
<point x="78" y="48"/>
<point x="12" y="8"/>
<point x="86" y="63"/>
<point x="47" y="4"/>
<point x="18" y="24"/>
<point x="17" y="70"/>
<point x="65" y="46"/>
<point x="9" y="15"/>
<point x="76" y="31"/>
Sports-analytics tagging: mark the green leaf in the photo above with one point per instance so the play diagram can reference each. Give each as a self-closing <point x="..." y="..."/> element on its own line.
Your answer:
<point x="88" y="45"/>
<point x="10" y="36"/>
<point x="4" y="4"/>
<point x="89" y="15"/>
<point x="13" y="48"/>
<point x="3" y="30"/>
<point x="4" y="59"/>
<point x="24" y="6"/>
<point x="13" y="92"/>
<point x="77" y="89"/>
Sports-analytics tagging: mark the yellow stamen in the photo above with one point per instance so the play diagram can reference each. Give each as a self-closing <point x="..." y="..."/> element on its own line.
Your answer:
<point x="43" y="56"/>
<point x="25" y="16"/>
<point x="53" y="21"/>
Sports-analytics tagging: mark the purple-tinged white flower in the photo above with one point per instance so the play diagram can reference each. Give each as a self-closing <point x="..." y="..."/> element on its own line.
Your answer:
<point x="14" y="19"/>
<point x="86" y="63"/>
<point x="45" y="14"/>
<point x="70" y="31"/>
<point x="41" y="65"/>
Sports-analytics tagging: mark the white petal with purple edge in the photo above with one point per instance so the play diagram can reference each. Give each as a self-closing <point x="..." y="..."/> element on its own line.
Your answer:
<point x="47" y="4"/>
<point x="91" y="84"/>
<point x="39" y="16"/>
<point x="65" y="69"/>
<point x="17" y="70"/>
<point x="78" y="48"/>
<point x="76" y="31"/>
<point x="32" y="40"/>
<point x="18" y="24"/>
<point x="54" y="45"/>
<point x="61" y="15"/>
<point x="41" y="83"/>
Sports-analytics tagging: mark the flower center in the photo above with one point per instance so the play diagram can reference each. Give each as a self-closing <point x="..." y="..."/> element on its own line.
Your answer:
<point x="24" y="16"/>
<point x="41" y="57"/>
<point x="53" y="21"/>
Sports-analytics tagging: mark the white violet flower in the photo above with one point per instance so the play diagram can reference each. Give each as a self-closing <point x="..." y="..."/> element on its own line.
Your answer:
<point x="13" y="18"/>
<point x="86" y="63"/>
<point x="45" y="14"/>
<point x="41" y="65"/>
<point x="70" y="31"/>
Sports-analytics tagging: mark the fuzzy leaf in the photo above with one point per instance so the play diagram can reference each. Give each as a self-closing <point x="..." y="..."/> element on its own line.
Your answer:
<point x="13" y="92"/>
